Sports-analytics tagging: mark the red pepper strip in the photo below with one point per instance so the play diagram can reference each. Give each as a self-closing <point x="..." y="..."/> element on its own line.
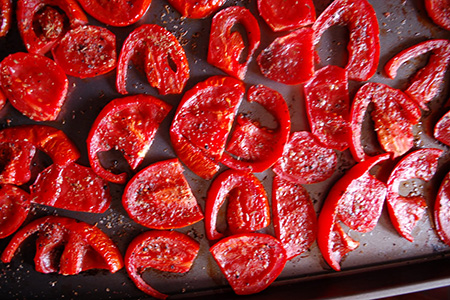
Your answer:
<point x="406" y="211"/>
<point x="283" y="15"/>
<point x="5" y="16"/>
<point x="439" y="12"/>
<point x="394" y="114"/>
<point x="427" y="82"/>
<point x="196" y="9"/>
<point x="257" y="148"/>
<point x="356" y="200"/>
<point x="14" y="157"/>
<point x="364" y="45"/>
<point x="442" y="211"/>
<point x="14" y="208"/>
<point x="167" y="251"/>
<point x="248" y="205"/>
<point x="41" y="23"/>
<point x="226" y="45"/>
<point x="294" y="217"/>
<point x="442" y="129"/>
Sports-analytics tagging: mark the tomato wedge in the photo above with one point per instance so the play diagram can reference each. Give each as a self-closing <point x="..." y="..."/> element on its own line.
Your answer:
<point x="34" y="84"/>
<point x="406" y="210"/>
<point x="250" y="261"/>
<point x="439" y="12"/>
<point x="289" y="59"/>
<point x="255" y="148"/>
<point x="159" y="197"/>
<point x="364" y="44"/>
<point x="428" y="81"/>
<point x="72" y="187"/>
<point x="442" y="129"/>
<point x="156" y="49"/>
<point x="14" y="208"/>
<point x="282" y="15"/>
<point x="5" y="16"/>
<point x="196" y="9"/>
<point x="167" y="251"/>
<point x="42" y="23"/>
<point x="203" y="122"/>
<point x="248" y="205"/>
<point x="226" y="45"/>
<point x="294" y="217"/>
<point x="85" y="246"/>
<point x="126" y="124"/>
<point x="394" y="115"/>
<point x="328" y="107"/>
<point x="442" y="211"/>
<point x="86" y="51"/>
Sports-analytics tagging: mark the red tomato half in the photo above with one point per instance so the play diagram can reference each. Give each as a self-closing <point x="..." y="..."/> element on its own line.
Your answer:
<point x="42" y="23"/>
<point x="196" y="9"/>
<point x="34" y="84"/>
<point x="442" y="211"/>
<point x="154" y="48"/>
<point x="364" y="45"/>
<point x="250" y="262"/>
<point x="117" y="12"/>
<point x="86" y="51"/>
<point x="282" y="15"/>
<point x="439" y="12"/>
<point x="167" y="251"/>
<point x="129" y="125"/>
<point x="5" y="16"/>
<point x="289" y="59"/>
<point x="406" y="211"/>
<point x="159" y="197"/>
<point x="14" y="208"/>
<point x="442" y="129"/>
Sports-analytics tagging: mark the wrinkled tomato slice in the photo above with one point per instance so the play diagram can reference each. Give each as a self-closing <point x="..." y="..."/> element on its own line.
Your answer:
<point x="294" y="217"/>
<point x="226" y="45"/>
<point x="129" y="125"/>
<point x="250" y="262"/>
<point x="442" y="210"/>
<point x="328" y="107"/>
<point x="5" y="16"/>
<point x="15" y="162"/>
<point x="35" y="85"/>
<point x="167" y="251"/>
<point x="406" y="210"/>
<point x="203" y="122"/>
<point x="14" y="208"/>
<point x="442" y="129"/>
<point x="439" y="12"/>
<point x="364" y="44"/>
<point x="196" y="9"/>
<point x="86" y="51"/>
<point x="159" y="197"/>
<point x="255" y="148"/>
<point x="72" y="187"/>
<point x="289" y="59"/>
<point x="282" y="15"/>
<point x="118" y="12"/>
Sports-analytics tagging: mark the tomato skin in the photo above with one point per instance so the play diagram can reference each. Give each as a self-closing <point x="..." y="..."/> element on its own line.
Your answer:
<point x="30" y="10"/>
<point x="168" y="251"/>
<point x="226" y="46"/>
<point x="196" y="9"/>
<point x="406" y="211"/>
<point x="442" y="129"/>
<point x="426" y="83"/>
<point x="255" y="147"/>
<point x="249" y="261"/>
<point x="287" y="15"/>
<point x="364" y="44"/>
<point x="439" y="12"/>
<point x="441" y="211"/>
<point x="5" y="16"/>
<point x="15" y="205"/>
<point x="35" y="85"/>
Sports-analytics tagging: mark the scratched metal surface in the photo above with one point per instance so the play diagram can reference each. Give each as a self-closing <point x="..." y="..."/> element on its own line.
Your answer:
<point x="402" y="24"/>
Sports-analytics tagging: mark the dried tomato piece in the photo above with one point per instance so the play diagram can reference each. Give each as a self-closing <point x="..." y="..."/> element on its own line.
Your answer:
<point x="442" y="129"/>
<point x="282" y="15"/>
<point x="439" y="12"/>
<point x="5" y="16"/>
<point x="196" y="9"/>
<point x="15" y="162"/>
<point x="14" y="208"/>
<point x="442" y="211"/>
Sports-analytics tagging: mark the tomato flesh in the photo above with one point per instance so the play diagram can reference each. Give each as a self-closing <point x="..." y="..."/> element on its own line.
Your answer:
<point x="287" y="15"/>
<point x="15" y="205"/>
<point x="439" y="12"/>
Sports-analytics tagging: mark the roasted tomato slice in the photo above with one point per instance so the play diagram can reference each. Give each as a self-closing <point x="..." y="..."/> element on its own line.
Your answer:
<point x="126" y="124"/>
<point x="356" y="200"/>
<point x="248" y="205"/>
<point x="442" y="129"/>
<point x="15" y="161"/>
<point x="161" y="56"/>
<point x="14" y="208"/>
<point x="305" y="160"/>
<point x="328" y="107"/>
<point x="394" y="115"/>
<point x="72" y="187"/>
<point x="249" y="261"/>
<point x="289" y="59"/>
<point x="159" y="197"/>
<point x="118" y="12"/>
<point x="42" y="23"/>
<point x="34" y="84"/>
<point x="255" y="148"/>
<point x="226" y="45"/>
<point x="167" y="251"/>
<point x="407" y="207"/>
<point x="85" y="246"/>
<point x="294" y="217"/>
<point x="196" y="9"/>
<point x="282" y="15"/>
<point x="5" y="16"/>
<point x="427" y="82"/>
<point x="439" y="12"/>
<point x="86" y="51"/>
<point x="203" y="121"/>
<point x="442" y="211"/>
<point x="364" y="44"/>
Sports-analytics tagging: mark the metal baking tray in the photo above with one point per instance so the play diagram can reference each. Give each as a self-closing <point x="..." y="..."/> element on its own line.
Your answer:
<point x="384" y="265"/>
